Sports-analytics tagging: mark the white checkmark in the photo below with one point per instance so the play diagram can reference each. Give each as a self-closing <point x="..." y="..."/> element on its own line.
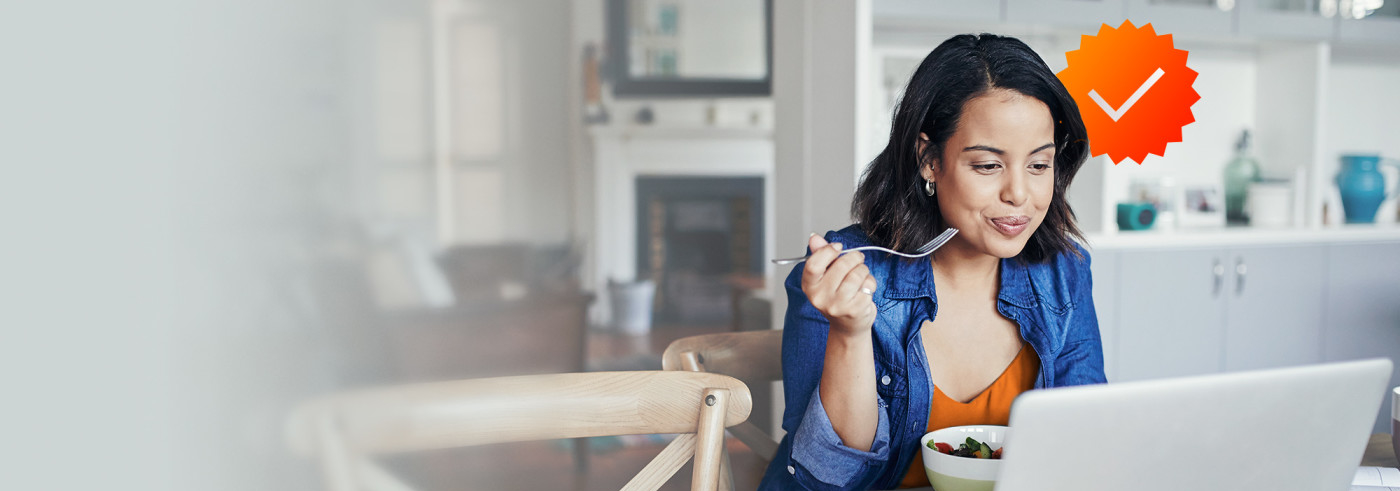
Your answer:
<point x="1118" y="113"/>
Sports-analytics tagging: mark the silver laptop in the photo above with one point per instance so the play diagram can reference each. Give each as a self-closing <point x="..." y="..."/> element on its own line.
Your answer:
<point x="1301" y="428"/>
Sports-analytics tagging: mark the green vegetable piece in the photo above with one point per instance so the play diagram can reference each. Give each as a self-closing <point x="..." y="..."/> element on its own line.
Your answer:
<point x="931" y="445"/>
<point x="986" y="451"/>
<point x="973" y="444"/>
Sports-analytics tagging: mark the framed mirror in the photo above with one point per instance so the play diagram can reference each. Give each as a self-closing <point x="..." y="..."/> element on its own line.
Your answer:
<point x="680" y="48"/>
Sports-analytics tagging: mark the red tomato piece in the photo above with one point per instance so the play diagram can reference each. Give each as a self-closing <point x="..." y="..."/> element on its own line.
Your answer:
<point x="944" y="447"/>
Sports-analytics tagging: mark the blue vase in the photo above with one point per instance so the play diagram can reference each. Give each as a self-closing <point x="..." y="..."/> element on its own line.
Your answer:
<point x="1362" y="187"/>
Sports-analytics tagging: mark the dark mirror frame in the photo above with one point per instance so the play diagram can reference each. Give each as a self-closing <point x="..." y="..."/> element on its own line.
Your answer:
<point x="625" y="86"/>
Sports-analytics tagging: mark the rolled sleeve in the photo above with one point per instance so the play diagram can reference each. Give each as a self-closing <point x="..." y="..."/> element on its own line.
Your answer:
<point x="819" y="451"/>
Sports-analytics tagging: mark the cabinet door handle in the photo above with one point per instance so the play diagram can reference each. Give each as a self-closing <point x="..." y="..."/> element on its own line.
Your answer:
<point x="1240" y="270"/>
<point x="1219" y="271"/>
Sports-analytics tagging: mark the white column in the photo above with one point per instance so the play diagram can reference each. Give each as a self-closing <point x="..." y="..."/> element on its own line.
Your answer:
<point x="821" y="50"/>
<point x="1290" y="136"/>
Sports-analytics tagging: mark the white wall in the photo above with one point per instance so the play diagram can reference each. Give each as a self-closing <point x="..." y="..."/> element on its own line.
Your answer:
<point x="509" y="114"/>
<point x="1360" y="117"/>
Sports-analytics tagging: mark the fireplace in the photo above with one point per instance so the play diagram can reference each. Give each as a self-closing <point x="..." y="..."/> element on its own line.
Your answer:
<point x="627" y="157"/>
<point x="697" y="238"/>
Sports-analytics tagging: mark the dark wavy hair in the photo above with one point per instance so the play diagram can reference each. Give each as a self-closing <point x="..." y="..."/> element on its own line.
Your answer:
<point x="890" y="204"/>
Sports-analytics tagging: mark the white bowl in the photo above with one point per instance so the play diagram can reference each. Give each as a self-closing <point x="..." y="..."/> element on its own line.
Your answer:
<point x="949" y="473"/>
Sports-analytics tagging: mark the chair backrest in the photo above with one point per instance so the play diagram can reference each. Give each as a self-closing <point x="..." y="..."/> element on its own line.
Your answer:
<point x="343" y="429"/>
<point x="750" y="356"/>
<point x="754" y="357"/>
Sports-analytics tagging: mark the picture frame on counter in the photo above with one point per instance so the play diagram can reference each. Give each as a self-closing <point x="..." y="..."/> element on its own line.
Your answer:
<point x="1162" y="193"/>
<point x="1202" y="206"/>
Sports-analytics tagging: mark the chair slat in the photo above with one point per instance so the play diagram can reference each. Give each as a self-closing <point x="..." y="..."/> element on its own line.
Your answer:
<point x="665" y="465"/>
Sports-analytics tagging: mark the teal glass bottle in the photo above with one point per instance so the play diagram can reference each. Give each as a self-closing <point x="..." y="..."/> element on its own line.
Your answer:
<point x="1239" y="173"/>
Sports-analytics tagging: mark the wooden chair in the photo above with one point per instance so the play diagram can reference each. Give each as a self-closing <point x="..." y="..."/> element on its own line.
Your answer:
<point x="754" y="357"/>
<point x="345" y="430"/>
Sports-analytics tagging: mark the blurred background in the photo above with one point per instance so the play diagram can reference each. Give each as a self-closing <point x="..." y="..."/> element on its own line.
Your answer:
<point x="215" y="210"/>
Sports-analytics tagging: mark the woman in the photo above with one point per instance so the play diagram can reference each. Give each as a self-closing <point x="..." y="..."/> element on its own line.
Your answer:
<point x="879" y="350"/>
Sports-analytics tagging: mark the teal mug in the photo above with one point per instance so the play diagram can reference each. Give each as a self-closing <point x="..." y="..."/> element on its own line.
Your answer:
<point x="1362" y="186"/>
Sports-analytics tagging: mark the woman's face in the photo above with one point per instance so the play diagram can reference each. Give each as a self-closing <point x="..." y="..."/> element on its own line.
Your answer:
<point x="996" y="176"/>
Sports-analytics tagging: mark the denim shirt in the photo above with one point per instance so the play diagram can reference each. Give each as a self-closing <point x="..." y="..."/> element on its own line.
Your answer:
<point x="1049" y="301"/>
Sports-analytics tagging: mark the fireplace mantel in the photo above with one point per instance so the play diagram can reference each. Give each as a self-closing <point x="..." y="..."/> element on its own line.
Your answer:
<point x="622" y="153"/>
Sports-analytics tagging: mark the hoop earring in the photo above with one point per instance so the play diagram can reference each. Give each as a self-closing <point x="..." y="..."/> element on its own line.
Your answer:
<point x="928" y="187"/>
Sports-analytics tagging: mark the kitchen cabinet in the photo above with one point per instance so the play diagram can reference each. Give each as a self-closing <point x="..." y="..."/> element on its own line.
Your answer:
<point x="1362" y="312"/>
<point x="1379" y="26"/>
<point x="1078" y="14"/>
<point x="905" y="12"/>
<point x="1173" y="16"/>
<point x="1196" y="311"/>
<point x="1255" y="20"/>
<point x="1170" y="313"/>
<point x="1103" y="270"/>
<point x="1284" y="19"/>
<point x="1178" y="309"/>
<point x="1273" y="312"/>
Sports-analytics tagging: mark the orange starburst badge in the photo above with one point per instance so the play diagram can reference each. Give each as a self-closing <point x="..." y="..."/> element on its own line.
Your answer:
<point x="1133" y="90"/>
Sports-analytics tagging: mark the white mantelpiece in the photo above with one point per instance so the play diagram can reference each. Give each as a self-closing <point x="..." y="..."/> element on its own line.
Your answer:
<point x="623" y="153"/>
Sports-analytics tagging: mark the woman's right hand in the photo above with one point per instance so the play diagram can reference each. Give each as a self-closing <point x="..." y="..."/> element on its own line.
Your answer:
<point x="840" y="287"/>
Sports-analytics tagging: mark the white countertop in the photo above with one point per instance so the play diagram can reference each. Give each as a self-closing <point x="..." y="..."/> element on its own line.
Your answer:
<point x="1229" y="236"/>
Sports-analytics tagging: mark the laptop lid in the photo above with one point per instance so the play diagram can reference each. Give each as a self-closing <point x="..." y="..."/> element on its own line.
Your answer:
<point x="1298" y="428"/>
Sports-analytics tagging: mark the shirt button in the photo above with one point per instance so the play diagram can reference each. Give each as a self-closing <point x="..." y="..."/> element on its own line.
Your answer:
<point x="885" y="380"/>
<point x="792" y="470"/>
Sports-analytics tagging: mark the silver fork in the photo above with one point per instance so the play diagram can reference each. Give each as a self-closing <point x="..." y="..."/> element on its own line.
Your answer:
<point x="925" y="250"/>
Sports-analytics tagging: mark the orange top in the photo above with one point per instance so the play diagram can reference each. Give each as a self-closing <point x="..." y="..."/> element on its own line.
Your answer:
<point x="991" y="407"/>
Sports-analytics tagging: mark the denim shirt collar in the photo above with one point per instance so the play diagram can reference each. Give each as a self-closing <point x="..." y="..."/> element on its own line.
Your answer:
<point x="914" y="279"/>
